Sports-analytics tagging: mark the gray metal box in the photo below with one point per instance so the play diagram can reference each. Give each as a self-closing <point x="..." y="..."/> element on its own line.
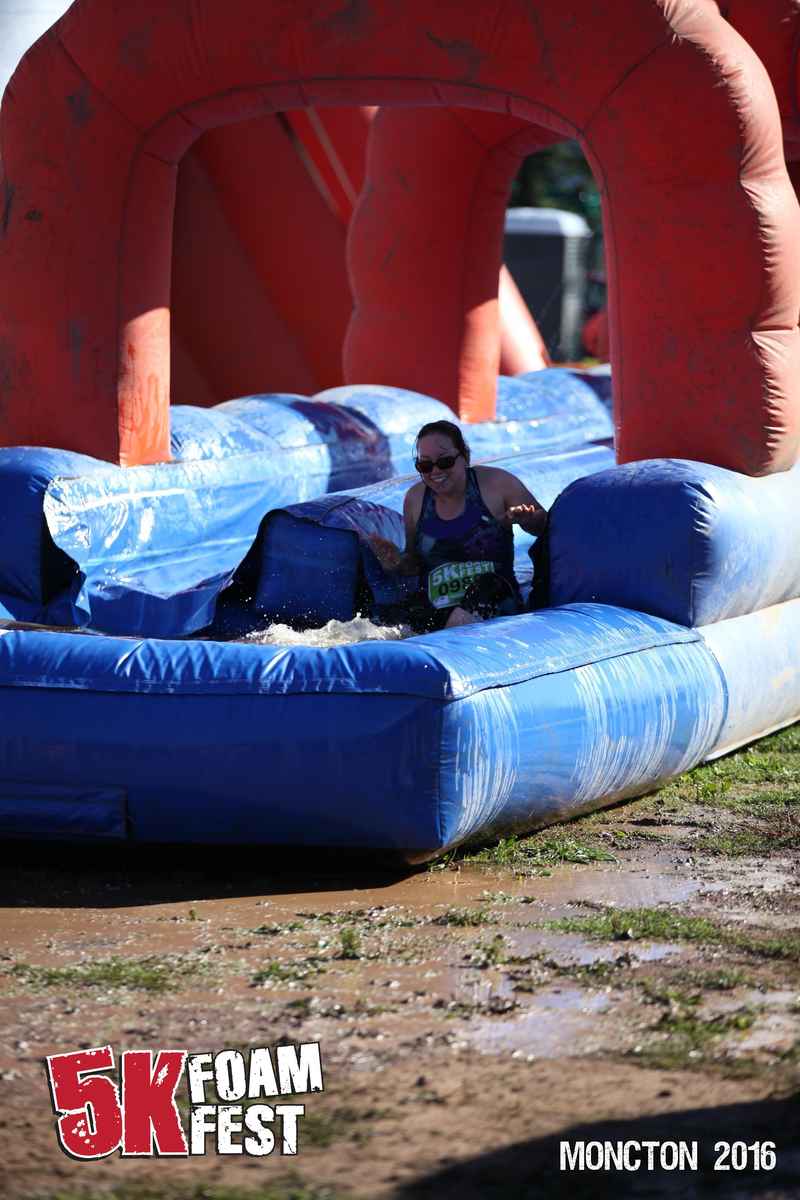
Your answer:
<point x="546" y="250"/>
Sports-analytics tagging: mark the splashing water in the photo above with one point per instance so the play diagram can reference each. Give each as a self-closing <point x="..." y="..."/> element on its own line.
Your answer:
<point x="334" y="633"/>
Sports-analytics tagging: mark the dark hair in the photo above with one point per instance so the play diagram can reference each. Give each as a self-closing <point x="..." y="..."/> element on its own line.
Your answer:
<point x="447" y="429"/>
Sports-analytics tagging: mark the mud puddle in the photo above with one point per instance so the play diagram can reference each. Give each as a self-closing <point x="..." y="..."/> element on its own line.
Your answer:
<point x="558" y="1020"/>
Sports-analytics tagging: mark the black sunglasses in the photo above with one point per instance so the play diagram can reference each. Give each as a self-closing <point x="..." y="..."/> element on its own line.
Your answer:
<point x="426" y="465"/>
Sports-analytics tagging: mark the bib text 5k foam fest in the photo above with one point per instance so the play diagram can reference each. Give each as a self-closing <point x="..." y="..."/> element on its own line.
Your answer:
<point x="139" y="1116"/>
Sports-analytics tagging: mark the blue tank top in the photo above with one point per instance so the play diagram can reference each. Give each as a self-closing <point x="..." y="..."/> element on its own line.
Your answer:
<point x="455" y="553"/>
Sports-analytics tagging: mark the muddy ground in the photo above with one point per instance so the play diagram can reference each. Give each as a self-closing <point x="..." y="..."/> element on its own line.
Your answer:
<point x="632" y="975"/>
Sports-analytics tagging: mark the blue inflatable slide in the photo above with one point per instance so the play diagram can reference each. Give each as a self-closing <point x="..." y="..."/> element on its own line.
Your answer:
<point x="130" y="712"/>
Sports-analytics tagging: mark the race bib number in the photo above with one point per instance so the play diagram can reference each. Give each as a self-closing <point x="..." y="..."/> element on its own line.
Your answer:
<point x="447" y="584"/>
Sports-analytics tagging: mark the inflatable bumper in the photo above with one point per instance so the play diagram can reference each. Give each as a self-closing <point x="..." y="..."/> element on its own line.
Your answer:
<point x="415" y="746"/>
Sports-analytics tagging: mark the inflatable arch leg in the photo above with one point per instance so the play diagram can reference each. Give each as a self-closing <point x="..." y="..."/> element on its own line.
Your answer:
<point x="674" y="110"/>
<point x="419" y="169"/>
<point x="281" y="270"/>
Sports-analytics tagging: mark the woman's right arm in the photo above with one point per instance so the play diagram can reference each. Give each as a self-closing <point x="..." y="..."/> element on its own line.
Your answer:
<point x="391" y="558"/>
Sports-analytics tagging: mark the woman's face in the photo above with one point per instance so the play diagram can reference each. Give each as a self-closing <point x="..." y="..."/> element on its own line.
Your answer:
<point x="442" y="480"/>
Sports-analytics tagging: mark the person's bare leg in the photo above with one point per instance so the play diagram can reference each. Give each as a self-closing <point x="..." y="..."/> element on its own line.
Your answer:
<point x="460" y="616"/>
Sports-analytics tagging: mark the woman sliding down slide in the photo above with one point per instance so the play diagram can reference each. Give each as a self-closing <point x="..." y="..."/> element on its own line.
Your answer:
<point x="459" y="537"/>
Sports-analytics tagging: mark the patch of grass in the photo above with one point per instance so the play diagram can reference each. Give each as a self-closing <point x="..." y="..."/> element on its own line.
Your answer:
<point x="348" y="917"/>
<point x="601" y="971"/>
<point x="687" y="1037"/>
<point x="349" y="943"/>
<point x="760" y="803"/>
<point x="493" y="1005"/>
<point x="746" y="843"/>
<point x="725" y="979"/>
<point x="785" y="947"/>
<point x="546" y="969"/>
<point x="465" y="918"/>
<point x="324" y="1128"/>
<point x="657" y="924"/>
<point x="786" y="741"/>
<point x="660" y="993"/>
<point x="665" y="925"/>
<point x="698" y="1031"/>
<point x="447" y="860"/>
<point x="736" y="782"/>
<point x="528" y="985"/>
<point x="301" y="973"/>
<point x="276" y="930"/>
<point x="300" y="1008"/>
<point x="504" y="853"/>
<point x="684" y="985"/>
<point x="683" y="1036"/>
<point x="755" y="765"/>
<point x="375" y="918"/>
<point x="508" y="898"/>
<point x="426" y="1095"/>
<point x="560" y="847"/>
<point x="541" y="850"/>
<point x="156" y="973"/>
<point x="638" y="835"/>
<point x="489" y="954"/>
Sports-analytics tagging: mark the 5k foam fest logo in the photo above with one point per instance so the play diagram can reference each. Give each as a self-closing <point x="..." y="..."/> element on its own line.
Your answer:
<point x="139" y="1116"/>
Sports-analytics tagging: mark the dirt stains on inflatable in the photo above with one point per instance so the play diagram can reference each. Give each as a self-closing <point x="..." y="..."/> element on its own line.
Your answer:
<point x="9" y="191"/>
<point x="76" y="337"/>
<point x="80" y="105"/>
<point x="14" y="371"/>
<point x="461" y="52"/>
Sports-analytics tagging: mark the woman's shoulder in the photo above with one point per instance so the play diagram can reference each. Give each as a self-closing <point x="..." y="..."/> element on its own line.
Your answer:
<point x="492" y="477"/>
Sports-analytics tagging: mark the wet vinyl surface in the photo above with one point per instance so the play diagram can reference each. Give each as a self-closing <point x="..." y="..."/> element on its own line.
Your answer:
<point x="633" y="975"/>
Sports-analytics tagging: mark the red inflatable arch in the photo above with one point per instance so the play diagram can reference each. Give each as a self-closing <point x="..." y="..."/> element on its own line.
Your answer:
<point x="674" y="111"/>
<point x="260" y="295"/>
<point x="258" y="300"/>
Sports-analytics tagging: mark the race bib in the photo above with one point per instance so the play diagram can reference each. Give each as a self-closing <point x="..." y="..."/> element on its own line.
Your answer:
<point x="447" y="584"/>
